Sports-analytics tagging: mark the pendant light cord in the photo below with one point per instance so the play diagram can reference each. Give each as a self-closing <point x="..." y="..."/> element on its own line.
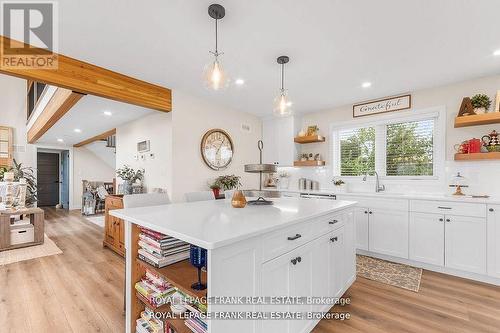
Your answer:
<point x="216" y="39"/>
<point x="282" y="77"/>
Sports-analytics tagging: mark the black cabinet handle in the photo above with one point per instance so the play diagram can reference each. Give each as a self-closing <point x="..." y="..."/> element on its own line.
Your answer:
<point x="366" y="212"/>
<point x="370" y="212"/>
<point x="441" y="207"/>
<point x="333" y="222"/>
<point x="491" y="210"/>
<point x="294" y="261"/>
<point x="448" y="220"/>
<point x="297" y="236"/>
<point x="334" y="239"/>
<point x="299" y="259"/>
<point x="441" y="220"/>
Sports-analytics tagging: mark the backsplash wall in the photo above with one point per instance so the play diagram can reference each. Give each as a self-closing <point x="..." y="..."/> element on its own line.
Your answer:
<point x="483" y="176"/>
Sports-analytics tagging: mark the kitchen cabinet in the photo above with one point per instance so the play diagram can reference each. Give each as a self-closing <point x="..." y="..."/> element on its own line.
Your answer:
<point x="349" y="271"/>
<point x="388" y="232"/>
<point x="278" y="135"/>
<point x="114" y="228"/>
<point x="493" y="242"/>
<point x="361" y="222"/>
<point x="427" y="238"/>
<point x="465" y="243"/>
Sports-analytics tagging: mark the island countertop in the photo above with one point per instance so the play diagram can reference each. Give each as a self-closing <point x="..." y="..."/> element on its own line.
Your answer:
<point x="215" y="223"/>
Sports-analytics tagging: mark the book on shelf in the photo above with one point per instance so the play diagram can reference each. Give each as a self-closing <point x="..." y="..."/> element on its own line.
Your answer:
<point x="161" y="250"/>
<point x="160" y="262"/>
<point x="195" y="325"/>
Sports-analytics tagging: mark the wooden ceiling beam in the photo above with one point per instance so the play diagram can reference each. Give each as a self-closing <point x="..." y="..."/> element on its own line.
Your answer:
<point x="89" y="79"/>
<point x="102" y="136"/>
<point x="60" y="103"/>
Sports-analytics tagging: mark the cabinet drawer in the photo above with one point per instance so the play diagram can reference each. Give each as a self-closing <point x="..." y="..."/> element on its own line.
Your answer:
<point x="448" y="208"/>
<point x="285" y="240"/>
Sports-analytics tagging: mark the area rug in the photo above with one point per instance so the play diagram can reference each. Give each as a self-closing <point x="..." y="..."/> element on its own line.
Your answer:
<point x="397" y="275"/>
<point x="48" y="248"/>
<point x="97" y="220"/>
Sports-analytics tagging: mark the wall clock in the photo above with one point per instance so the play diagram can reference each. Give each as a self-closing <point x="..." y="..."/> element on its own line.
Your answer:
<point x="217" y="149"/>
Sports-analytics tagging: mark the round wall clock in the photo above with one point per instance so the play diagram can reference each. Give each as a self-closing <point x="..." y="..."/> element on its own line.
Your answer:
<point x="217" y="149"/>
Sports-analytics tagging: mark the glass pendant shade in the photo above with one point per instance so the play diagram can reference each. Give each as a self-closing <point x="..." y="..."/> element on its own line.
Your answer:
<point x="214" y="76"/>
<point x="282" y="105"/>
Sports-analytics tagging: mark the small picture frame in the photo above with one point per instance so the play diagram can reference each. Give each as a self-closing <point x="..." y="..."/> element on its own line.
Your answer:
<point x="312" y="130"/>
<point x="497" y="102"/>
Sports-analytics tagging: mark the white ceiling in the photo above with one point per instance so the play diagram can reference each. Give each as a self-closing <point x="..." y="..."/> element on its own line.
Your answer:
<point x="334" y="45"/>
<point x="88" y="116"/>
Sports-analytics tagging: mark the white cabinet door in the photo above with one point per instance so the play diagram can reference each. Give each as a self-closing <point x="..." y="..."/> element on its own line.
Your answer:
<point x="349" y="272"/>
<point x="337" y="263"/>
<point x="361" y="222"/>
<point x="270" y="140"/>
<point x="321" y="268"/>
<point x="494" y="240"/>
<point x="286" y="146"/>
<point x="388" y="232"/>
<point x="465" y="244"/>
<point x="301" y="284"/>
<point x="427" y="238"/>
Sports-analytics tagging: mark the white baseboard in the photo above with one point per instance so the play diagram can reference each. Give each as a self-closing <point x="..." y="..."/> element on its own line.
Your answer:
<point x="434" y="268"/>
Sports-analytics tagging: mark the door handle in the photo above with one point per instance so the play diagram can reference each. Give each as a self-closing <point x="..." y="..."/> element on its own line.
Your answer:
<point x="299" y="259"/>
<point x="370" y="212"/>
<point x="366" y="212"/>
<point x="333" y="222"/>
<point x="294" y="261"/>
<point x="334" y="239"/>
<point x="297" y="236"/>
<point x="448" y="220"/>
<point x="491" y="210"/>
<point x="441" y="220"/>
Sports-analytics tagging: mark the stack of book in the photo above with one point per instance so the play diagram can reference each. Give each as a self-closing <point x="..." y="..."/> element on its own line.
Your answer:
<point x="161" y="250"/>
<point x="196" y="323"/>
<point x="147" y="323"/>
<point x="153" y="289"/>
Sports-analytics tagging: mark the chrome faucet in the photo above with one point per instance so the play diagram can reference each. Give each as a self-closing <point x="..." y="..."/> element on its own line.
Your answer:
<point x="378" y="187"/>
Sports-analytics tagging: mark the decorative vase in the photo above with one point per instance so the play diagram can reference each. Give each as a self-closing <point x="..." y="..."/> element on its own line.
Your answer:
<point x="127" y="187"/>
<point x="238" y="200"/>
<point x="216" y="192"/>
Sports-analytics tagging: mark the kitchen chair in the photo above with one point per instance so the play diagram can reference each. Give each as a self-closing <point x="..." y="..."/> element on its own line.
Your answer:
<point x="199" y="196"/>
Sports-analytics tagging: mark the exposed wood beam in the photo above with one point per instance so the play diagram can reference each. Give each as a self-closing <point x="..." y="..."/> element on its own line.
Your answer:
<point x="60" y="103"/>
<point x="102" y="136"/>
<point x="89" y="79"/>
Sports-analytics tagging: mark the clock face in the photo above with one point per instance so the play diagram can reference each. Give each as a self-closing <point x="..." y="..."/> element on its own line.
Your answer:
<point x="217" y="149"/>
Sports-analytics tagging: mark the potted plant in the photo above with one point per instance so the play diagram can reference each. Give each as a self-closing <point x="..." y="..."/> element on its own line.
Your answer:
<point x="215" y="188"/>
<point x="28" y="176"/>
<point x="129" y="177"/>
<point x="481" y="103"/>
<point x="340" y="185"/>
<point x="228" y="182"/>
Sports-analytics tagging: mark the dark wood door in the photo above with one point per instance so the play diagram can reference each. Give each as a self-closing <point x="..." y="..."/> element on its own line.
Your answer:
<point x="48" y="179"/>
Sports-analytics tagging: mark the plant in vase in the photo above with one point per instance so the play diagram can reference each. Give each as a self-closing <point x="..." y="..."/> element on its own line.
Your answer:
<point x="481" y="103"/>
<point x="340" y="185"/>
<point x="129" y="177"/>
<point x="23" y="174"/>
<point x="228" y="182"/>
<point x="215" y="188"/>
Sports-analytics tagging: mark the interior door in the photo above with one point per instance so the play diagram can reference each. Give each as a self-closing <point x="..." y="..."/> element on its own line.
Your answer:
<point x="465" y="243"/>
<point x="65" y="179"/>
<point x="427" y="238"/>
<point x="48" y="179"/>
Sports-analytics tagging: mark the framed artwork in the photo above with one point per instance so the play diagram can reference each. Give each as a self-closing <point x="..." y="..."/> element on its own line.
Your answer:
<point x="388" y="104"/>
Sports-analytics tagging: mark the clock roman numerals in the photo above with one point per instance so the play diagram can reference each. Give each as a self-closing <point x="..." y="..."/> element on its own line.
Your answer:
<point x="217" y="149"/>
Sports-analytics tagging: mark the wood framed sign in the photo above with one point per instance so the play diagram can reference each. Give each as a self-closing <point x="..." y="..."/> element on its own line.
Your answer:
<point x="389" y="104"/>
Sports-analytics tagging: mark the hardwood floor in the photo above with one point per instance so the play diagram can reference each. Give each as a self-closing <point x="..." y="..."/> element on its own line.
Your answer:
<point x="81" y="290"/>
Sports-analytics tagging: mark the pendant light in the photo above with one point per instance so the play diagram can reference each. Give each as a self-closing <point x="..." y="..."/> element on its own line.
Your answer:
<point x="281" y="103"/>
<point x="214" y="75"/>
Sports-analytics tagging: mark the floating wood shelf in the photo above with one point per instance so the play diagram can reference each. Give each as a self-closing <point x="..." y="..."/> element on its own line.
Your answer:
<point x="477" y="119"/>
<point x="309" y="139"/>
<point x="308" y="163"/>
<point x="174" y="321"/>
<point x="182" y="275"/>
<point x="477" y="156"/>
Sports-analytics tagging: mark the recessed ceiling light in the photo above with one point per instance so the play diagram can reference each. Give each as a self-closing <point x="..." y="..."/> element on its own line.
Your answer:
<point x="108" y="113"/>
<point x="60" y="140"/>
<point x="239" y="82"/>
<point x="366" y="84"/>
<point x="77" y="130"/>
<point x="496" y="53"/>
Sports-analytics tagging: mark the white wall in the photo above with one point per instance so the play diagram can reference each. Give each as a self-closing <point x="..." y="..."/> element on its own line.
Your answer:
<point x="88" y="166"/>
<point x="157" y="128"/>
<point x="192" y="118"/>
<point x="481" y="174"/>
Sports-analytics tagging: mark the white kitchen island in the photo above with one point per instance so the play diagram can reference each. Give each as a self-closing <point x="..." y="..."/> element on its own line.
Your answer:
<point x="295" y="248"/>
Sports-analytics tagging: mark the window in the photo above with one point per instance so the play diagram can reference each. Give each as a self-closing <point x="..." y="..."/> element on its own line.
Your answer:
<point x="409" y="148"/>
<point x="406" y="148"/>
<point x="357" y="151"/>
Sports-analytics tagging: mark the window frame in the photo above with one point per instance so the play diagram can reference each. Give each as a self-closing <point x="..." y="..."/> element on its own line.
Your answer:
<point x="380" y="124"/>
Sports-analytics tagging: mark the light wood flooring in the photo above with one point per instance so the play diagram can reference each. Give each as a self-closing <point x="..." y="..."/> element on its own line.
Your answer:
<point x="81" y="290"/>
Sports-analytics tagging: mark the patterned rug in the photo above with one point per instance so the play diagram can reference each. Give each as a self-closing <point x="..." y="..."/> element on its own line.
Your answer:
<point x="48" y="248"/>
<point x="398" y="275"/>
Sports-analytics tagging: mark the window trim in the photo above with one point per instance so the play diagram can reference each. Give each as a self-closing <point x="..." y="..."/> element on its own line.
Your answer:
<point x="380" y="122"/>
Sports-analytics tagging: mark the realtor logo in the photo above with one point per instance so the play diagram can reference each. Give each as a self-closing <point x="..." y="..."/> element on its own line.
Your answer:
<point x="30" y="35"/>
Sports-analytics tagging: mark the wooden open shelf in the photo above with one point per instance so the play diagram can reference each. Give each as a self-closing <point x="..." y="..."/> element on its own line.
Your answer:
<point x="308" y="163"/>
<point x="309" y="139"/>
<point x="176" y="322"/>
<point x="477" y="119"/>
<point x="478" y="156"/>
<point x="182" y="275"/>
